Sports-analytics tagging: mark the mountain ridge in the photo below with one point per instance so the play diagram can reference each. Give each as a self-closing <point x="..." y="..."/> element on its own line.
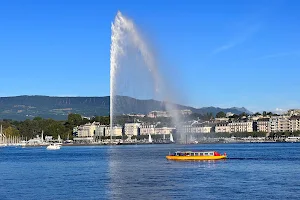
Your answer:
<point x="58" y="107"/>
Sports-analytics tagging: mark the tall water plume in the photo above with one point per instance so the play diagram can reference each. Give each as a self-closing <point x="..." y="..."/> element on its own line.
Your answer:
<point x="124" y="38"/>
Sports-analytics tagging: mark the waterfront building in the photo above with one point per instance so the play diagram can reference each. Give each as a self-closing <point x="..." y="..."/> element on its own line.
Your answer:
<point x="147" y="129"/>
<point x="164" y="130"/>
<point x="294" y="123"/>
<point x="197" y="128"/>
<point x="132" y="129"/>
<point x="279" y="124"/>
<point x="241" y="126"/>
<point x="222" y="128"/>
<point x="284" y="124"/>
<point x="263" y="125"/>
<point x="117" y="131"/>
<point x="204" y="129"/>
<point x="90" y="132"/>
<point x="187" y="128"/>
<point x="273" y="124"/>
<point x="86" y="130"/>
<point x="100" y="130"/>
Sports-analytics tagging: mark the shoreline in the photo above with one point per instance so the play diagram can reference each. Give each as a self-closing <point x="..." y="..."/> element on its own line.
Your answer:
<point x="122" y="144"/>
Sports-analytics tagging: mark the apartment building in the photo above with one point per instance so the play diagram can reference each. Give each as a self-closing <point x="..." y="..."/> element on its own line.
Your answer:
<point x="279" y="124"/>
<point x="222" y="128"/>
<point x="294" y="123"/>
<point x="263" y="125"/>
<point x="242" y="126"/>
<point x="132" y="129"/>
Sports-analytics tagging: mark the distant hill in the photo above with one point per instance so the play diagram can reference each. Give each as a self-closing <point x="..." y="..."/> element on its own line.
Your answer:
<point x="28" y="107"/>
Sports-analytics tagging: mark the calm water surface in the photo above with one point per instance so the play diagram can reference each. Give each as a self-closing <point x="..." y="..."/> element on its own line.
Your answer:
<point x="253" y="171"/>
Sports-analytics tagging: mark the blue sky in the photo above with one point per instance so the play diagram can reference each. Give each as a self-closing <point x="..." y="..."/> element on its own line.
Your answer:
<point x="222" y="53"/>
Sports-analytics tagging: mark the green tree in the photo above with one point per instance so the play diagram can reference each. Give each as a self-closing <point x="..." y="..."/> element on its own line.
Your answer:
<point x="270" y="114"/>
<point x="207" y="116"/>
<point x="220" y="114"/>
<point x="74" y="119"/>
<point x="243" y="114"/>
<point x="264" y="113"/>
<point x="257" y="114"/>
<point x="10" y="131"/>
<point x="38" y="118"/>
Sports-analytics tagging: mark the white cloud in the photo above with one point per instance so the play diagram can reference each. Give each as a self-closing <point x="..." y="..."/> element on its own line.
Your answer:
<point x="241" y="38"/>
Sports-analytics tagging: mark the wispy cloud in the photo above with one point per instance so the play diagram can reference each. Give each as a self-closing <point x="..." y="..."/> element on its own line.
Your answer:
<point x="239" y="39"/>
<point x="224" y="48"/>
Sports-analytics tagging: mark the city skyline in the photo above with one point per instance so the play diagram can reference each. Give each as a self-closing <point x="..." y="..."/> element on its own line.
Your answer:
<point x="233" y="54"/>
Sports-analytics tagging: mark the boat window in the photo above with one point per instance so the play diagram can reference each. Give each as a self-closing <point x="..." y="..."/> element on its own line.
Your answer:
<point x="206" y="154"/>
<point x="192" y="154"/>
<point x="201" y="154"/>
<point x="211" y="153"/>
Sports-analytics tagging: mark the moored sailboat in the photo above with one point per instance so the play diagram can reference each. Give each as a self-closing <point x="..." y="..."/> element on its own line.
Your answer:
<point x="150" y="139"/>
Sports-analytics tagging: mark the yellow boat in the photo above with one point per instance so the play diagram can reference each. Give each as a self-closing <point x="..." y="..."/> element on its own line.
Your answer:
<point x="196" y="155"/>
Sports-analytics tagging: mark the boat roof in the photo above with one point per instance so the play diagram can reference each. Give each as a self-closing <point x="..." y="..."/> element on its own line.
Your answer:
<point x="194" y="151"/>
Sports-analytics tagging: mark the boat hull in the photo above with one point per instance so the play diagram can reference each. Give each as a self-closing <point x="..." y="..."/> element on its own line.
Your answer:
<point x="196" y="157"/>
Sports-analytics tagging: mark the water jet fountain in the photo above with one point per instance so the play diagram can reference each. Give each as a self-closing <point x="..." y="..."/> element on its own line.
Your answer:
<point x="125" y="37"/>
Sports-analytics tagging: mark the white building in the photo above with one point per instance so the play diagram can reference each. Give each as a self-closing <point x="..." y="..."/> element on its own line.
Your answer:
<point x="294" y="123"/>
<point x="86" y="130"/>
<point x="222" y="128"/>
<point x="155" y="114"/>
<point x="263" y="125"/>
<point x="236" y="127"/>
<point x="279" y="124"/>
<point x="117" y="131"/>
<point x="100" y="130"/>
<point x="147" y="129"/>
<point x="197" y="128"/>
<point x="132" y="128"/>
<point x="187" y="128"/>
<point x="164" y="130"/>
<point x="93" y="131"/>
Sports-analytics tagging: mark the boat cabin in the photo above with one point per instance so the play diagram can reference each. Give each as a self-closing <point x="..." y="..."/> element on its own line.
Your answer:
<point x="196" y="153"/>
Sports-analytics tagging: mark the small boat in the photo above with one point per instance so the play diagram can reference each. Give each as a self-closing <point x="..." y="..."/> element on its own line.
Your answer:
<point x="150" y="139"/>
<point x="53" y="146"/>
<point x="171" y="138"/>
<point x="196" y="155"/>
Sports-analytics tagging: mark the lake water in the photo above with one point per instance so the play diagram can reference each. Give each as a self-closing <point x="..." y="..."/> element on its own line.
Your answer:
<point x="252" y="171"/>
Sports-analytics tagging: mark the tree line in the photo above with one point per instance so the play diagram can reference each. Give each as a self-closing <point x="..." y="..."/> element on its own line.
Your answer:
<point x="30" y="128"/>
